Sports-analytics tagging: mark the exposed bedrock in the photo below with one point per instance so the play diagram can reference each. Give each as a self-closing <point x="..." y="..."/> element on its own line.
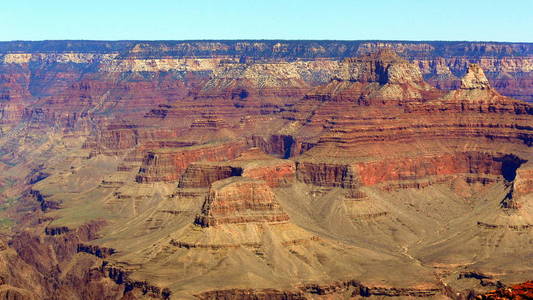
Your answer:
<point x="117" y="137"/>
<point x="475" y="112"/>
<point x="370" y="125"/>
<point x="517" y="291"/>
<point x="11" y="112"/>
<point x="251" y="164"/>
<point x="446" y="164"/>
<point x="474" y="78"/>
<point x="523" y="181"/>
<point x="284" y="146"/>
<point x="475" y="94"/>
<point x="133" y="287"/>
<point x="276" y="173"/>
<point x="395" y="169"/>
<point x="381" y="78"/>
<point x="34" y="250"/>
<point x="352" y="288"/>
<point x="44" y="203"/>
<point x="62" y="85"/>
<point x="326" y="174"/>
<point x="241" y="294"/>
<point x="101" y="252"/>
<point x="202" y="175"/>
<point x="240" y="200"/>
<point x="168" y="164"/>
<point x="209" y="122"/>
<point x="33" y="267"/>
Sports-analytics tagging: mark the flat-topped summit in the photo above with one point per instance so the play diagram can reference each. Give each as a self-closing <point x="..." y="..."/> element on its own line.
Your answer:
<point x="384" y="66"/>
<point x="240" y="200"/>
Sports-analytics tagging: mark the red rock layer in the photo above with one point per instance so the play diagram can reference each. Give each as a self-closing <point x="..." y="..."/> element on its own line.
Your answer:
<point x="169" y="164"/>
<point x="276" y="173"/>
<point x="251" y="164"/>
<point x="326" y="174"/>
<point x="521" y="291"/>
<point x="210" y="122"/>
<point x="203" y="175"/>
<point x="280" y="145"/>
<point x="368" y="143"/>
<point x="240" y="200"/>
<point x="125" y="97"/>
<point x="415" y="168"/>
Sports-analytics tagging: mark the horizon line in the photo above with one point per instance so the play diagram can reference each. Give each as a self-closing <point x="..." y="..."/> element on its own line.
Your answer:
<point x="262" y="40"/>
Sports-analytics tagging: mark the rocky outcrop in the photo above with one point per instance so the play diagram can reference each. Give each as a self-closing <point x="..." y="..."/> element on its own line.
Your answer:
<point x="276" y="173"/>
<point x="523" y="183"/>
<point x="132" y="288"/>
<point x="353" y="288"/>
<point x="447" y="164"/>
<point x="101" y="252"/>
<point x="44" y="203"/>
<point x="240" y="200"/>
<point x="56" y="230"/>
<point x="169" y="164"/>
<point x="326" y="174"/>
<point x="74" y="81"/>
<point x="474" y="79"/>
<point x="210" y="122"/>
<point x="31" y="268"/>
<point x="475" y="95"/>
<point x="250" y="164"/>
<point x="381" y="78"/>
<point x="359" y="289"/>
<point x="355" y="174"/>
<point x="347" y="153"/>
<point x="284" y="146"/>
<point x="238" y="294"/>
<point x="191" y="111"/>
<point x="517" y="291"/>
<point x="203" y="175"/>
<point x="119" y="137"/>
<point x="265" y="80"/>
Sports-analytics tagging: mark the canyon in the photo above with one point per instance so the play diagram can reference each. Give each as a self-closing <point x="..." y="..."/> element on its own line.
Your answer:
<point x="265" y="169"/>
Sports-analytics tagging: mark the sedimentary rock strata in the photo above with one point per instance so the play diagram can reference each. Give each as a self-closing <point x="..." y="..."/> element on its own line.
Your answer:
<point x="264" y="169"/>
<point x="168" y="164"/>
<point x="240" y="200"/>
<point x="250" y="164"/>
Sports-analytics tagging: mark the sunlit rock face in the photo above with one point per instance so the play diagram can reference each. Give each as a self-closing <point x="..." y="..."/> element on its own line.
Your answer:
<point x="474" y="78"/>
<point x="264" y="169"/>
<point x="240" y="200"/>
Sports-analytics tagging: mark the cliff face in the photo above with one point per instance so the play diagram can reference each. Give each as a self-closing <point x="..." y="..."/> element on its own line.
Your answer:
<point x="264" y="169"/>
<point x="169" y="164"/>
<point x="240" y="200"/>
<point x="70" y="80"/>
<point x="518" y="291"/>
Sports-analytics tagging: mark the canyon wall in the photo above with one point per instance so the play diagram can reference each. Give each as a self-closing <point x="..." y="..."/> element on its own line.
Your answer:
<point x="264" y="169"/>
<point x="63" y="81"/>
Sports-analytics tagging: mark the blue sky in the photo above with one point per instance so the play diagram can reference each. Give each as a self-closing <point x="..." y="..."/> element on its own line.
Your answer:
<point x="481" y="20"/>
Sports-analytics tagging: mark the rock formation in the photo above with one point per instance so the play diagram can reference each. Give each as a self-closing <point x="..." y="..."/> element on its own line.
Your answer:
<point x="168" y="164"/>
<point x="251" y="164"/>
<point x="474" y="79"/>
<point x="518" y="291"/>
<point x="264" y="169"/>
<point x="240" y="200"/>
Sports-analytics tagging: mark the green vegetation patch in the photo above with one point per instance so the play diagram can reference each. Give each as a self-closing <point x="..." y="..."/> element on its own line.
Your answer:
<point x="6" y="224"/>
